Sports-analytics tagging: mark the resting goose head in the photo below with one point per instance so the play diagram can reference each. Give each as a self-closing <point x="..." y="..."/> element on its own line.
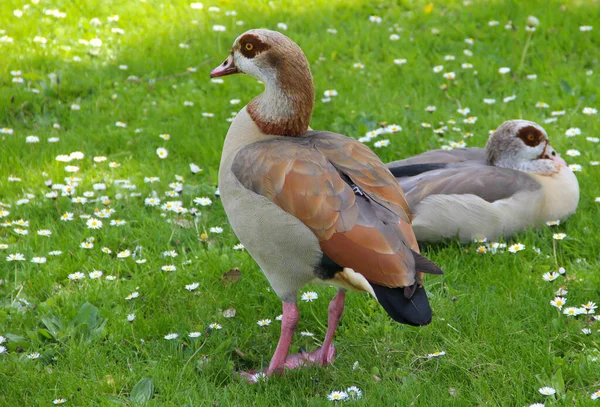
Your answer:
<point x="285" y="107"/>
<point x="523" y="145"/>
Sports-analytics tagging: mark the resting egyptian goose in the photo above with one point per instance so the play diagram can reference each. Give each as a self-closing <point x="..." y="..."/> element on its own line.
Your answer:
<point x="516" y="182"/>
<point x="313" y="206"/>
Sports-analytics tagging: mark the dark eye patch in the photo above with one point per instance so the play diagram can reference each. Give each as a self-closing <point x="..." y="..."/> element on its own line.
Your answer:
<point x="251" y="46"/>
<point x="531" y="136"/>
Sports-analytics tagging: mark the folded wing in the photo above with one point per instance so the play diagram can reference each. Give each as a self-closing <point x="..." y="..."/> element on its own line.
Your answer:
<point x="340" y="190"/>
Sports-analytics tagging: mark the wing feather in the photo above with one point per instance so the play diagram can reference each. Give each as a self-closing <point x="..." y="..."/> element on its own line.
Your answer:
<point x="312" y="177"/>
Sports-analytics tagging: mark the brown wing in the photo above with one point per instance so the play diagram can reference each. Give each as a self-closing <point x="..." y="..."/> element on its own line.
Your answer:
<point x="311" y="177"/>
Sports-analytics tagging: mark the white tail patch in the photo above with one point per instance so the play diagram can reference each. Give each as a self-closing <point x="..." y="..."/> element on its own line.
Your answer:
<point x="350" y="280"/>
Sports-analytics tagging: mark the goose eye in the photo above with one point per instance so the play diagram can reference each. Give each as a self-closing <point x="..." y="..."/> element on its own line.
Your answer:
<point x="249" y="47"/>
<point x="530" y="137"/>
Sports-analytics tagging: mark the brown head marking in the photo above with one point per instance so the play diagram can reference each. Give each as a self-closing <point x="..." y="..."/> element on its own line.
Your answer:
<point x="531" y="136"/>
<point x="251" y="46"/>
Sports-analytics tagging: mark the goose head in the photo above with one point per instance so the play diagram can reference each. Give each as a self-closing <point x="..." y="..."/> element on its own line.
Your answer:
<point x="523" y="145"/>
<point x="285" y="107"/>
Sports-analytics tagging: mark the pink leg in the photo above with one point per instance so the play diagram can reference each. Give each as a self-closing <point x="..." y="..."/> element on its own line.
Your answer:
<point x="335" y="310"/>
<point x="322" y="356"/>
<point x="288" y="327"/>
<point x="326" y="353"/>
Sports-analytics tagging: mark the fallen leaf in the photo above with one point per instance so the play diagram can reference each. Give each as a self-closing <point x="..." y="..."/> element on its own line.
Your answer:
<point x="232" y="275"/>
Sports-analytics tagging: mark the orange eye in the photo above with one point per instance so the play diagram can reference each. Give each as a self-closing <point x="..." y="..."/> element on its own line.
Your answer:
<point x="530" y="137"/>
<point x="249" y="47"/>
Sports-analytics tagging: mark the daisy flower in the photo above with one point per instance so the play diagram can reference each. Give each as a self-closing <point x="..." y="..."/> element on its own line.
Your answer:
<point x="354" y="392"/>
<point x="172" y="336"/>
<point x="590" y="306"/>
<point x="381" y="143"/>
<point x="216" y="326"/>
<point x="15" y="257"/>
<point x="124" y="254"/>
<point x="450" y="75"/>
<point x="76" y="276"/>
<point x="259" y="377"/>
<point x="436" y="354"/>
<point x="550" y="276"/>
<point x="559" y="236"/>
<point x="337" y="396"/>
<point x="309" y="296"/>
<point x="203" y="201"/>
<point x="133" y="295"/>
<point x="547" y="391"/>
<point x="264" y="322"/>
<point x="562" y="291"/>
<point x="162" y="152"/>
<point x="168" y="267"/>
<point x="517" y="247"/>
<point x="96" y="274"/>
<point x="558" y="302"/>
<point x="192" y="287"/>
<point x="94" y="223"/>
<point x="572" y="132"/>
<point x="572" y="311"/>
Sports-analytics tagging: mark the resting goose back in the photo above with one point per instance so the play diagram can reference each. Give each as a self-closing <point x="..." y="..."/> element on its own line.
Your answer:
<point x="313" y="206"/>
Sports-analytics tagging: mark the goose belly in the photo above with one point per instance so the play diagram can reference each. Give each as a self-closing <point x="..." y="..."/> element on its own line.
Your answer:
<point x="469" y="217"/>
<point x="284" y="248"/>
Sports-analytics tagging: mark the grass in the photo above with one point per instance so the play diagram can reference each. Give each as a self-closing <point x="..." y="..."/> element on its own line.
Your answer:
<point x="492" y="315"/>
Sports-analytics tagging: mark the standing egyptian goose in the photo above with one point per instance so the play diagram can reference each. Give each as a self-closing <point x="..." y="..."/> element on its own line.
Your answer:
<point x="313" y="206"/>
<point x="516" y="182"/>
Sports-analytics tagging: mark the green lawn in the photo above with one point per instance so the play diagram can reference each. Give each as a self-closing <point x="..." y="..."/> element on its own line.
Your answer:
<point x="82" y="72"/>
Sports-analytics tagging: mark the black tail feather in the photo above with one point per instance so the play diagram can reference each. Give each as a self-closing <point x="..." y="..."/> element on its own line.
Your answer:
<point x="424" y="265"/>
<point x="414" y="169"/>
<point x="413" y="311"/>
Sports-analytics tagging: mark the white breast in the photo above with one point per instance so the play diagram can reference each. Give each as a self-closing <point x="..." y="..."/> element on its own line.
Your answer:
<point x="284" y="248"/>
<point x="561" y="194"/>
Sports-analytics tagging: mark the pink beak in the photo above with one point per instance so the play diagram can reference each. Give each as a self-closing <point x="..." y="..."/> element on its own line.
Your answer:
<point x="226" y="68"/>
<point x="550" y="154"/>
